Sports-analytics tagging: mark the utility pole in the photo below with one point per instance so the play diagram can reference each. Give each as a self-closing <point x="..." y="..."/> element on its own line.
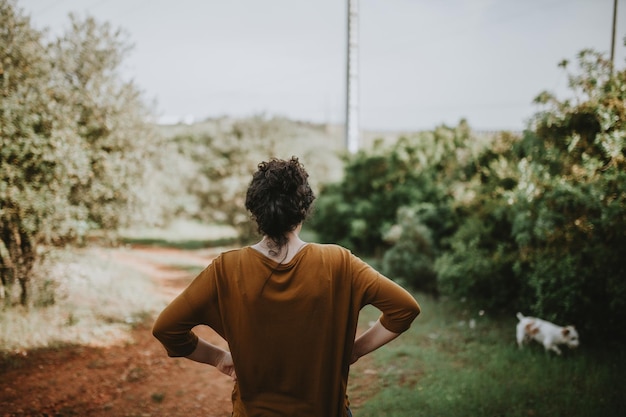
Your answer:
<point x="352" y="84"/>
<point x="613" y="35"/>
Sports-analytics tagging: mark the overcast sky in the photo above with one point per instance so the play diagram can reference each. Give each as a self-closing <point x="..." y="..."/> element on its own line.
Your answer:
<point x="422" y="63"/>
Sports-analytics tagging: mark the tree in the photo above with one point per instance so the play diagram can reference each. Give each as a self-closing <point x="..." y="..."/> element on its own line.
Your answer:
<point x="36" y="153"/>
<point x="76" y="143"/>
<point x="111" y="119"/>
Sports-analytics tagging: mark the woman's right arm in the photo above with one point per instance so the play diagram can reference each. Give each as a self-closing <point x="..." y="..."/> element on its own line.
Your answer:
<point x="195" y="305"/>
<point x="210" y="354"/>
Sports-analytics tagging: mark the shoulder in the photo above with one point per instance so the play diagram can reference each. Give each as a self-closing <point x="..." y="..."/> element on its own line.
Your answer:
<point x="329" y="253"/>
<point x="230" y="256"/>
<point x="232" y="253"/>
<point x="329" y="249"/>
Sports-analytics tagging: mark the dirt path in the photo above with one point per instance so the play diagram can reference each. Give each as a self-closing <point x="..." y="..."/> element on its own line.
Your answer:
<point x="136" y="379"/>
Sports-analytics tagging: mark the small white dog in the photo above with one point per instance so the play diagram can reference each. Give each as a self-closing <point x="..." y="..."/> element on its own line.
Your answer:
<point x="548" y="334"/>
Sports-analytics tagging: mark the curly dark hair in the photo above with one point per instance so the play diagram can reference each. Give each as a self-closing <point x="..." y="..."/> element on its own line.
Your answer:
<point x="279" y="198"/>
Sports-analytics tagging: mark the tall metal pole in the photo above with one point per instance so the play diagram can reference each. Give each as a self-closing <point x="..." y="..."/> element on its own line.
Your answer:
<point x="613" y="35"/>
<point x="352" y="85"/>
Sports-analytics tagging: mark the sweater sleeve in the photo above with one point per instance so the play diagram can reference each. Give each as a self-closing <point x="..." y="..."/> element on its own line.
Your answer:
<point x="173" y="327"/>
<point x="398" y="307"/>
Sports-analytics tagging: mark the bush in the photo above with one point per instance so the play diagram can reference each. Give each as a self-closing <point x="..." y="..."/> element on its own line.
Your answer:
<point x="360" y="209"/>
<point x="411" y="258"/>
<point x="545" y="230"/>
<point x="478" y="266"/>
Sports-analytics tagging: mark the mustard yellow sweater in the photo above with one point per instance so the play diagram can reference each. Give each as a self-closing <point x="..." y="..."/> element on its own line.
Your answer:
<point x="290" y="327"/>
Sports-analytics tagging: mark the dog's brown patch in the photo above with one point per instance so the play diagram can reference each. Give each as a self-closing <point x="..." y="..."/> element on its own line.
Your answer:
<point x="531" y="329"/>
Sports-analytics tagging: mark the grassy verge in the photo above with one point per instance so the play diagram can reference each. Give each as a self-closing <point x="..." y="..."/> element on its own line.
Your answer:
<point x="96" y="302"/>
<point x="182" y="234"/>
<point x="444" y="367"/>
<point x="82" y="296"/>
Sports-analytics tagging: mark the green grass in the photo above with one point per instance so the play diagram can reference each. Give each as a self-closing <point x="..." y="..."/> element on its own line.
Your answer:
<point x="182" y="234"/>
<point x="442" y="367"/>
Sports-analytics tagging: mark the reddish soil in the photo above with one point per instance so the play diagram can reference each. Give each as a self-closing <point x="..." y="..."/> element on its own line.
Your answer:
<point x="134" y="379"/>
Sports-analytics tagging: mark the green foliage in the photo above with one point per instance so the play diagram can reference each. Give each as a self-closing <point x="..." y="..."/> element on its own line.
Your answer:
<point x="574" y="236"/>
<point x="478" y="265"/>
<point x="478" y="268"/>
<point x="411" y="258"/>
<point x="367" y="201"/>
<point x="400" y="200"/>
<point x="545" y="228"/>
<point x="572" y="244"/>
<point x="535" y="222"/>
<point x="361" y="208"/>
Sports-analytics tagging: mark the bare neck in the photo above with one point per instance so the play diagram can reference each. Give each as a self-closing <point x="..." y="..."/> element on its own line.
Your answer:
<point x="284" y="254"/>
